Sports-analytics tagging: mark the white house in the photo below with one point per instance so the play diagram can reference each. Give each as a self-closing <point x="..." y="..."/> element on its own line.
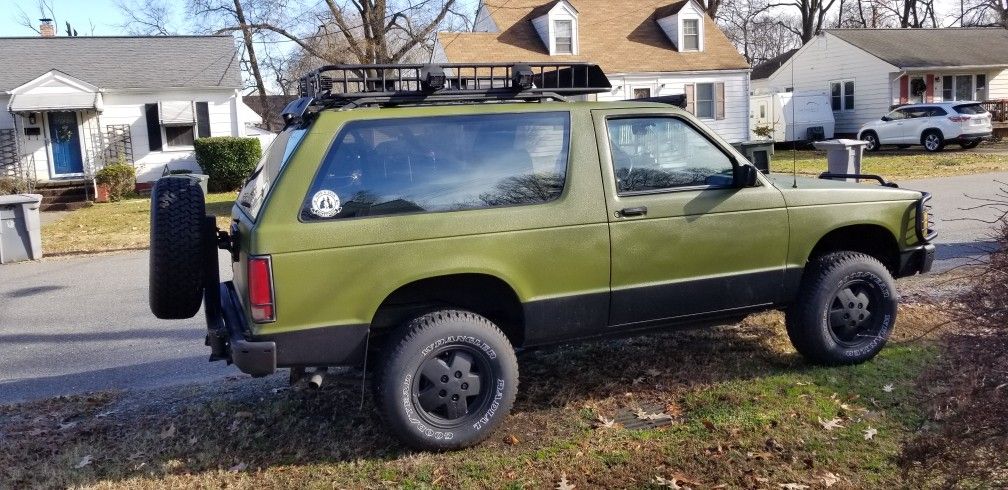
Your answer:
<point x="647" y="49"/>
<point x="74" y="104"/>
<point x="867" y="71"/>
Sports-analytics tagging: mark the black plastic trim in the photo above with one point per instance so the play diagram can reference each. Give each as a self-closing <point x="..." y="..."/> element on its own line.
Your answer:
<point x="918" y="260"/>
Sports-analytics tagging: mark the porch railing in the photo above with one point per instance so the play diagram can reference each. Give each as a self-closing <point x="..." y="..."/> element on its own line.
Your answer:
<point x="998" y="109"/>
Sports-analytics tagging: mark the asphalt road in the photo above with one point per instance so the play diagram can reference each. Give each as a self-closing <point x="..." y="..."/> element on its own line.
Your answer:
<point x="69" y="325"/>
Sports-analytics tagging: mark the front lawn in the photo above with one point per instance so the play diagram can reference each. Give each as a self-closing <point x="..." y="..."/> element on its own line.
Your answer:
<point x="746" y="412"/>
<point x="123" y="225"/>
<point x="900" y="164"/>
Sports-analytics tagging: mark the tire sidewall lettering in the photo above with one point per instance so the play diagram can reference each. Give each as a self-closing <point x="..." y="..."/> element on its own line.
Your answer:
<point x="885" y="325"/>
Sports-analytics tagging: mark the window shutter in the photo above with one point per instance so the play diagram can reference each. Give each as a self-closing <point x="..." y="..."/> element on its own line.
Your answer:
<point x="691" y="98"/>
<point x="153" y="127"/>
<point x="719" y="100"/>
<point x="202" y="120"/>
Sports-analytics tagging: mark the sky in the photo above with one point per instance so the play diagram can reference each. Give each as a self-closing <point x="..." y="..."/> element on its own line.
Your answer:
<point x="82" y="14"/>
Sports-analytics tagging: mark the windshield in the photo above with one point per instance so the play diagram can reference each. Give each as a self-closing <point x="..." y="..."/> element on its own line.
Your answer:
<point x="274" y="158"/>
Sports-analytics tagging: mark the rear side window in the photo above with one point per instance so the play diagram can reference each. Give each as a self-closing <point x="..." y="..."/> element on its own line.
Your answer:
<point x="258" y="185"/>
<point x="446" y="163"/>
<point x="970" y="109"/>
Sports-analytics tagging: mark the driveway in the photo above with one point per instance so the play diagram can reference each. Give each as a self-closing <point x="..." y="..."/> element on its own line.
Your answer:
<point x="69" y="325"/>
<point x="77" y="324"/>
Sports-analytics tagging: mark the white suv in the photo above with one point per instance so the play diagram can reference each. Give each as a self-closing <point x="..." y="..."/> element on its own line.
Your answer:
<point x="932" y="125"/>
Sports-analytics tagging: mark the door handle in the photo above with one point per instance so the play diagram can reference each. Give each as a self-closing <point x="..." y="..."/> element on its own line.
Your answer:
<point x="638" y="211"/>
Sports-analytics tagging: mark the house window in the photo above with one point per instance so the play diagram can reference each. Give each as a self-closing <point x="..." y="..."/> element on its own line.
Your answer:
<point x="842" y="95"/>
<point x="641" y="93"/>
<point x="180" y="135"/>
<point x="981" y="87"/>
<point x="691" y="35"/>
<point x="564" y="36"/>
<point x="964" y="87"/>
<point x="705" y="100"/>
<point x="947" y="86"/>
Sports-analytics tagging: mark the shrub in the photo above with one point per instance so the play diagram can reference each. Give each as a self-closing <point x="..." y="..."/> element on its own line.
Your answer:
<point x="10" y="185"/>
<point x="120" y="177"/>
<point x="227" y="160"/>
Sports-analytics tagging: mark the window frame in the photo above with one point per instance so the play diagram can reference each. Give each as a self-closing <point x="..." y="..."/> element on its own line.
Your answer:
<point x="664" y="115"/>
<point x="556" y="37"/>
<point x="697" y="35"/>
<point x="951" y="88"/>
<point x="347" y="126"/>
<point x="713" y="100"/>
<point x="166" y="146"/>
<point x="844" y="95"/>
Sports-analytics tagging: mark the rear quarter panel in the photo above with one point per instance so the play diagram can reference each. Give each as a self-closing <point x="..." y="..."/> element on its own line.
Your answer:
<point x="338" y="272"/>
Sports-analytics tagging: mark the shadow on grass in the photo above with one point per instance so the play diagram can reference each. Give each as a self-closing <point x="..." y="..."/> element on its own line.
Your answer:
<point x="263" y="424"/>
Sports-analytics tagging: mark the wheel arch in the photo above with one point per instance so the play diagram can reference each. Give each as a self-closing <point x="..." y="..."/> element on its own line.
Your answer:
<point x="871" y="239"/>
<point x="485" y="294"/>
<point x="931" y="129"/>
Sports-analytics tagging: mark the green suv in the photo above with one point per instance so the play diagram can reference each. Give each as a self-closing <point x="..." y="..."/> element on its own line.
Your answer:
<point x="422" y="223"/>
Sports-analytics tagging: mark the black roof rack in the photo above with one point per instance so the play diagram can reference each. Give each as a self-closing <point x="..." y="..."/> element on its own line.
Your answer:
<point x="346" y="86"/>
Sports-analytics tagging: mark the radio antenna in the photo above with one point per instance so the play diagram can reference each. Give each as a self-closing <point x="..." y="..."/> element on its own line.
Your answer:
<point x="794" y="125"/>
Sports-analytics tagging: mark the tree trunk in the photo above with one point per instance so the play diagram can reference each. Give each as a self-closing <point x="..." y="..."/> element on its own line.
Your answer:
<point x="254" y="65"/>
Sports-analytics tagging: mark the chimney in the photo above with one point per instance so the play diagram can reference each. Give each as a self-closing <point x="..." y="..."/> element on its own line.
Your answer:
<point x="47" y="29"/>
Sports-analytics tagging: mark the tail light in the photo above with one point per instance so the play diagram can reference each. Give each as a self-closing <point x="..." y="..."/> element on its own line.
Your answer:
<point x="260" y="289"/>
<point x="959" y="119"/>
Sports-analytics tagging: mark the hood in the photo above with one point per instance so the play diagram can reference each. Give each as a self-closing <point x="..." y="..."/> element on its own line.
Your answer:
<point x="812" y="192"/>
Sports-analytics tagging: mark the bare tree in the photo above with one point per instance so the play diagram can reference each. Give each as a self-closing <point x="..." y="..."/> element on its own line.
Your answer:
<point x="45" y="10"/>
<point x="812" y="14"/>
<point x="146" y="17"/>
<point x="984" y="13"/>
<point x="738" y="20"/>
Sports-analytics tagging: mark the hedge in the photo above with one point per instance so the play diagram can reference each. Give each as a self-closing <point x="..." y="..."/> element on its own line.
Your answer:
<point x="120" y="177"/>
<point x="227" y="160"/>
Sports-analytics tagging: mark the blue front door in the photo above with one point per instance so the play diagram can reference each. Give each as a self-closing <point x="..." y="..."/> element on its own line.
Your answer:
<point x="65" y="138"/>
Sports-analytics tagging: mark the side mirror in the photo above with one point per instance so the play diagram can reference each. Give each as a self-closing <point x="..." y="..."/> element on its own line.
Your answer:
<point x="886" y="118"/>
<point x="745" y="176"/>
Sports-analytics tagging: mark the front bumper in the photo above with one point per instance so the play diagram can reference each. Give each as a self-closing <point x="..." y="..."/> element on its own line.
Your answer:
<point x="917" y="260"/>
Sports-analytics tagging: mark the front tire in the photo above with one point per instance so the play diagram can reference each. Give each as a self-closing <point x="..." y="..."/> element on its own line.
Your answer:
<point x="845" y="310"/>
<point x="450" y="379"/>
<point x="873" y="141"/>
<point x="933" y="141"/>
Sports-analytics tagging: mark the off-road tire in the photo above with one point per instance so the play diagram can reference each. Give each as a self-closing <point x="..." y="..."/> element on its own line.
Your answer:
<point x="873" y="141"/>
<point x="969" y="145"/>
<point x="428" y="344"/>
<point x="178" y="208"/>
<point x="810" y="321"/>
<point x="933" y="140"/>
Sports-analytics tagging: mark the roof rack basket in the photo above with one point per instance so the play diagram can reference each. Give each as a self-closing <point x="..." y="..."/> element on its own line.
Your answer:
<point x="344" y="86"/>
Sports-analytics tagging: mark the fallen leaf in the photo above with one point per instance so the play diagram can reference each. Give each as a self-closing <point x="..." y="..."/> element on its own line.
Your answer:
<point x="86" y="460"/>
<point x="563" y="484"/>
<point x="169" y="432"/>
<point x="888" y="388"/>
<point x="653" y="372"/>
<point x="828" y="479"/>
<point x="708" y="424"/>
<point x="606" y="423"/>
<point x="831" y="424"/>
<point x="68" y="425"/>
<point x="793" y="486"/>
<point x="238" y="467"/>
<point x="510" y="440"/>
<point x="243" y="415"/>
<point x="869" y="433"/>
<point x="642" y="415"/>
<point x="36" y="432"/>
<point x="106" y="413"/>
<point x="670" y="483"/>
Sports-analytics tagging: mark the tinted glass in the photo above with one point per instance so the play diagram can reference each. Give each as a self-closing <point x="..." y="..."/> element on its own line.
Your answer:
<point x="970" y="109"/>
<point x="898" y="114"/>
<point x="937" y="111"/>
<point x="179" y="135"/>
<point x="848" y="96"/>
<point x="450" y="163"/>
<point x="274" y="158"/>
<point x="662" y="153"/>
<point x="835" y="96"/>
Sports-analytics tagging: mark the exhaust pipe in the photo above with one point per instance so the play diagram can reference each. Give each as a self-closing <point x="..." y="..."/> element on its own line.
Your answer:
<point x="315" y="381"/>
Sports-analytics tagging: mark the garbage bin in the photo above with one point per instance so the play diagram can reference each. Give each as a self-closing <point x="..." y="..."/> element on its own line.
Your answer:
<point x="759" y="152"/>
<point x="20" y="235"/>
<point x="843" y="156"/>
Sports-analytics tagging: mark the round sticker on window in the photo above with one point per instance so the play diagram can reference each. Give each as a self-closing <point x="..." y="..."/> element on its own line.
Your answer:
<point x="325" y="204"/>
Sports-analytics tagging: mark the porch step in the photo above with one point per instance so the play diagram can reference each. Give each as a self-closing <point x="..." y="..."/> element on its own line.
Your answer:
<point x="63" y="196"/>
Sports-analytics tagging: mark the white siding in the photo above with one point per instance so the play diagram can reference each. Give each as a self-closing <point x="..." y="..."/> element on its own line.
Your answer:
<point x="734" y="127"/>
<point x="827" y="58"/>
<point x="997" y="85"/>
<point x="6" y="122"/>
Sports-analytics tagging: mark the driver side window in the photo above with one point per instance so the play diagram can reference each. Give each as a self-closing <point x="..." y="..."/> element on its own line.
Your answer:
<point x="656" y="153"/>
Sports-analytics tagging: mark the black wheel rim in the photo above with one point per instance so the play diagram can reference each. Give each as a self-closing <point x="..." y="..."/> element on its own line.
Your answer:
<point x="855" y="313"/>
<point x="452" y="386"/>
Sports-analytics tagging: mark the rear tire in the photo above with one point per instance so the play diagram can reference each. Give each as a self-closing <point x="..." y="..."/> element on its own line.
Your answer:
<point x="969" y="145"/>
<point x="178" y="209"/>
<point x="873" y="141"/>
<point x="845" y="310"/>
<point x="933" y="140"/>
<point x="450" y="378"/>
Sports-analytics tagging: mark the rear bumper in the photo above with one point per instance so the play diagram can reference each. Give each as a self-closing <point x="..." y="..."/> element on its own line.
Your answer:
<point x="973" y="136"/>
<point x="917" y="260"/>
<point x="230" y="339"/>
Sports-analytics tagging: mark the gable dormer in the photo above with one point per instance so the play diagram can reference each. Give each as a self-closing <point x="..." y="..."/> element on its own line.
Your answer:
<point x="557" y="26"/>
<point x="683" y="23"/>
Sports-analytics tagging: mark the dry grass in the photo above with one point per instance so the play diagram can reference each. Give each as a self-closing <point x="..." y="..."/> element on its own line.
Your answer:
<point x="901" y="164"/>
<point x="123" y="225"/>
<point x="747" y="414"/>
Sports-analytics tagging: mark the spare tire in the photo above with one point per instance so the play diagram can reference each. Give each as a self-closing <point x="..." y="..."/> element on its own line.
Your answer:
<point x="178" y="208"/>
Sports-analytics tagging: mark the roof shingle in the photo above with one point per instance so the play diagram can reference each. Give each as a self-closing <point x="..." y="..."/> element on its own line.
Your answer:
<point x="918" y="48"/>
<point x="622" y="37"/>
<point x="124" y="62"/>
